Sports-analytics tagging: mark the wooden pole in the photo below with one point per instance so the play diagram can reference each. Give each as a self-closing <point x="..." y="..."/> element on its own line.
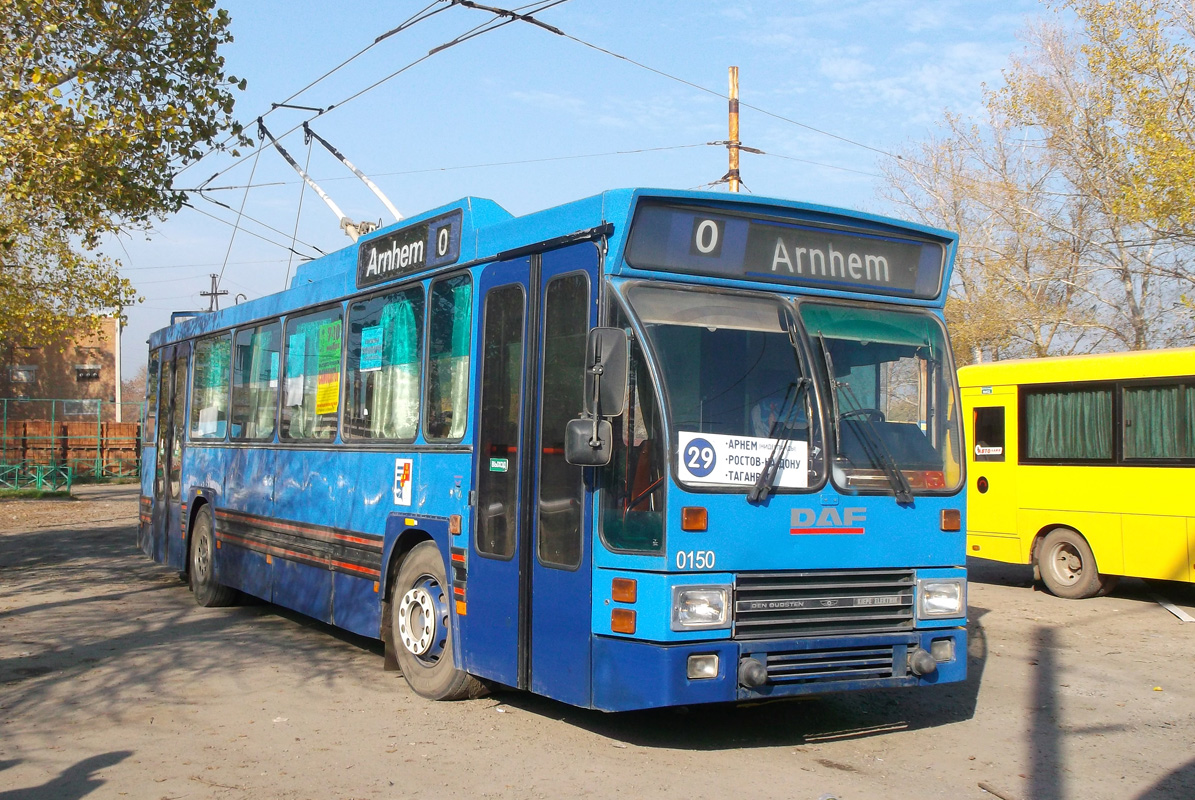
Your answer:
<point x="732" y="145"/>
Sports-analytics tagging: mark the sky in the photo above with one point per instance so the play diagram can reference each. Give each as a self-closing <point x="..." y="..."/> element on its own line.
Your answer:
<point x="531" y="119"/>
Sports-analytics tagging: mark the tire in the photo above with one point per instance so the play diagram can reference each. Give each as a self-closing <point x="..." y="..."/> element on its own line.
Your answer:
<point x="1068" y="567"/>
<point x="201" y="562"/>
<point x="421" y="628"/>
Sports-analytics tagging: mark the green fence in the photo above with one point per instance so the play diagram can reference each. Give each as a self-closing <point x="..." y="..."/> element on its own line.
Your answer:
<point x="90" y="438"/>
<point x="16" y="476"/>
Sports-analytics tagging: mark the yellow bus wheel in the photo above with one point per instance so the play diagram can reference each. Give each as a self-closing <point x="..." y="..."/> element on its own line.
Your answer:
<point x="1068" y="568"/>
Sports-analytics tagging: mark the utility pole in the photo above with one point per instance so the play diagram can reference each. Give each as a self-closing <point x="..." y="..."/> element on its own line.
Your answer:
<point x="732" y="143"/>
<point x="214" y="294"/>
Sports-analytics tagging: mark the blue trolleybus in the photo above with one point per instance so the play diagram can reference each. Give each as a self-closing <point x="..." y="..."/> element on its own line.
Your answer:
<point x="648" y="448"/>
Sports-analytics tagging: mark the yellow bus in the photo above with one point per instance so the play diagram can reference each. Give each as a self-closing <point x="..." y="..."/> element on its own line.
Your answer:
<point x="1083" y="466"/>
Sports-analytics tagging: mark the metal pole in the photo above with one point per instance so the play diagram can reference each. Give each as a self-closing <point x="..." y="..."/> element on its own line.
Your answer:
<point x="732" y="146"/>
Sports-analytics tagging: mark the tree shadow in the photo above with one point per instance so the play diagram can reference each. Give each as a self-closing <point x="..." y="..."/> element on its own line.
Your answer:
<point x="76" y="781"/>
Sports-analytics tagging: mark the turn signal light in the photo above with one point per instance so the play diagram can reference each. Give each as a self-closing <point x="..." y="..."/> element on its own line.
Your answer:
<point x="952" y="519"/>
<point x="454" y="524"/>
<point x="622" y="620"/>
<point x="694" y="518"/>
<point x="624" y="590"/>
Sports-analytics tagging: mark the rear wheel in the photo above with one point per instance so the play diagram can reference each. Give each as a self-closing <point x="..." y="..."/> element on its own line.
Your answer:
<point x="421" y="629"/>
<point x="1068" y="567"/>
<point x="202" y="564"/>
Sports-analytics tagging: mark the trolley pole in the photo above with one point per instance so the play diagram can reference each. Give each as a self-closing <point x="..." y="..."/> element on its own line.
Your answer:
<point x="732" y="145"/>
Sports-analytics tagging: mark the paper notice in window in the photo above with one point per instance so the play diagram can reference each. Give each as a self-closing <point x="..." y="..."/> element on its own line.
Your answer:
<point x="207" y="421"/>
<point x="327" y="393"/>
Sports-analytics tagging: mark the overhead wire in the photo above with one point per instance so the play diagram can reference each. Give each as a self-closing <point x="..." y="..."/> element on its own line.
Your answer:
<point x="477" y="30"/>
<point x="222" y="221"/>
<point x="418" y="17"/>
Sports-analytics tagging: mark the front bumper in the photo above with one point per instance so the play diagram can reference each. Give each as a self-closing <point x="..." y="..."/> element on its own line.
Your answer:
<point x="631" y="674"/>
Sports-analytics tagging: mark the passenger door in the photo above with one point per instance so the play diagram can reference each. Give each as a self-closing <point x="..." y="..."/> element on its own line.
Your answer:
<point x="528" y="619"/>
<point x="167" y="532"/>
<point x="991" y="460"/>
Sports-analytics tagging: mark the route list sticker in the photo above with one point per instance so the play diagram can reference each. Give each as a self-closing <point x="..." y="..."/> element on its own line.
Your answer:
<point x="712" y="458"/>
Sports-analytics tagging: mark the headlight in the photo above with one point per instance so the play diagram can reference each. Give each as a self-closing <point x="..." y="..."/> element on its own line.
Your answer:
<point x="937" y="599"/>
<point x="695" y="607"/>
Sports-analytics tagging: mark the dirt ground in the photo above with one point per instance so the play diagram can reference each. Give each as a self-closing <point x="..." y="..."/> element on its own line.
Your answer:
<point x="113" y="683"/>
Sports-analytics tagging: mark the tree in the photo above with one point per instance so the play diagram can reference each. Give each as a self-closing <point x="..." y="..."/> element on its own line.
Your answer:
<point x="100" y="102"/>
<point x="1060" y="253"/>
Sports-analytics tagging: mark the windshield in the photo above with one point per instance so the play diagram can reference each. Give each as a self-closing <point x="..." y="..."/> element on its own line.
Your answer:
<point x="892" y="396"/>
<point x="736" y="390"/>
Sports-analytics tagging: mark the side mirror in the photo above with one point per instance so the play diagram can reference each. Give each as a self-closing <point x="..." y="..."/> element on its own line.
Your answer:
<point x="605" y="371"/>
<point x="581" y="449"/>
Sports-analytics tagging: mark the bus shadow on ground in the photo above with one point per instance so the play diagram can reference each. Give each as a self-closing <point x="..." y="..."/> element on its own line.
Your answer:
<point x="775" y="723"/>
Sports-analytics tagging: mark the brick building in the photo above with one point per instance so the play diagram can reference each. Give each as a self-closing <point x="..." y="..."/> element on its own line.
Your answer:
<point x="84" y="374"/>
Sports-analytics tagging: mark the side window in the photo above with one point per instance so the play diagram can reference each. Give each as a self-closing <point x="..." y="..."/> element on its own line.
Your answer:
<point x="256" y="359"/>
<point x="501" y="405"/>
<point x="561" y="485"/>
<point x="383" y="373"/>
<point x="451" y="321"/>
<point x="1067" y="424"/>
<point x="1159" y="421"/>
<point x="988" y="434"/>
<point x="209" y="388"/>
<point x="149" y="428"/>
<point x="632" y="505"/>
<point x="311" y="387"/>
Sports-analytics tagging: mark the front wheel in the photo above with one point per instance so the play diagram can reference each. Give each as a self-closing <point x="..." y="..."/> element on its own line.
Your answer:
<point x="421" y="628"/>
<point x="202" y="562"/>
<point x="1068" y="567"/>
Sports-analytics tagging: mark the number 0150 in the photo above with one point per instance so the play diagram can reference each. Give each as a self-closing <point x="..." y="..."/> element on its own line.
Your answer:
<point x="695" y="559"/>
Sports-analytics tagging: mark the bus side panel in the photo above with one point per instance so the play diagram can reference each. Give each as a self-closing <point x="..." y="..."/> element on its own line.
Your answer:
<point x="302" y="588"/>
<point x="356" y="604"/>
<point x="1102" y="532"/>
<point x="250" y="489"/>
<point x="306" y="489"/>
<point x="1155" y="547"/>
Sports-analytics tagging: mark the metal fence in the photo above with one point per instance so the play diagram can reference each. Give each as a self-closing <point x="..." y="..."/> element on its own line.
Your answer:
<point x="82" y="436"/>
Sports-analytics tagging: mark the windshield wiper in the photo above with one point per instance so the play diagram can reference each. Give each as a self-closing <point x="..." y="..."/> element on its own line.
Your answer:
<point x="879" y="452"/>
<point x="782" y="432"/>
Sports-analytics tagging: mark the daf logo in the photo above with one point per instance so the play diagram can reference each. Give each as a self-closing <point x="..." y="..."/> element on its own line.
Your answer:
<point x="829" y="602"/>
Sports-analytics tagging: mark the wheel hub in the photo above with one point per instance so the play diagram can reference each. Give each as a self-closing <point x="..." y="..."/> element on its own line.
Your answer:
<point x="422" y="621"/>
<point x="1070" y="565"/>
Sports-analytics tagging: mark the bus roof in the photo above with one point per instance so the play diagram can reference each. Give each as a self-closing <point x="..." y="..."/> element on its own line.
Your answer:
<point x="1100" y="366"/>
<point x="482" y="230"/>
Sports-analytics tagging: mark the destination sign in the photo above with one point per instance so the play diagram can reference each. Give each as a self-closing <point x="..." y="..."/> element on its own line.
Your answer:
<point x="432" y="243"/>
<point x="807" y="253"/>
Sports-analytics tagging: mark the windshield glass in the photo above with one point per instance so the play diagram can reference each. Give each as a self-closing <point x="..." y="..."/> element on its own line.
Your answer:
<point x="735" y="387"/>
<point x="892" y="393"/>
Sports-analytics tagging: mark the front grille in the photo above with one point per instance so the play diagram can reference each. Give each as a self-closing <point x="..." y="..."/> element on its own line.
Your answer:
<point x="774" y="605"/>
<point x="831" y="664"/>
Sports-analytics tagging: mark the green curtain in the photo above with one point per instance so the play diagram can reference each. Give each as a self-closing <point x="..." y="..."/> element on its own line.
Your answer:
<point x="302" y="384"/>
<point x="395" y="412"/>
<point x="458" y="364"/>
<point x="1159" y="422"/>
<point x="1150" y="422"/>
<point x="1188" y="433"/>
<point x="1069" y="425"/>
<point x="263" y="385"/>
<point x="209" y="401"/>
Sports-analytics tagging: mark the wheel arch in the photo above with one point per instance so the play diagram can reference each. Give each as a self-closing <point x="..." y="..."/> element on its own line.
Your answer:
<point x="401" y="536"/>
<point x="199" y="501"/>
